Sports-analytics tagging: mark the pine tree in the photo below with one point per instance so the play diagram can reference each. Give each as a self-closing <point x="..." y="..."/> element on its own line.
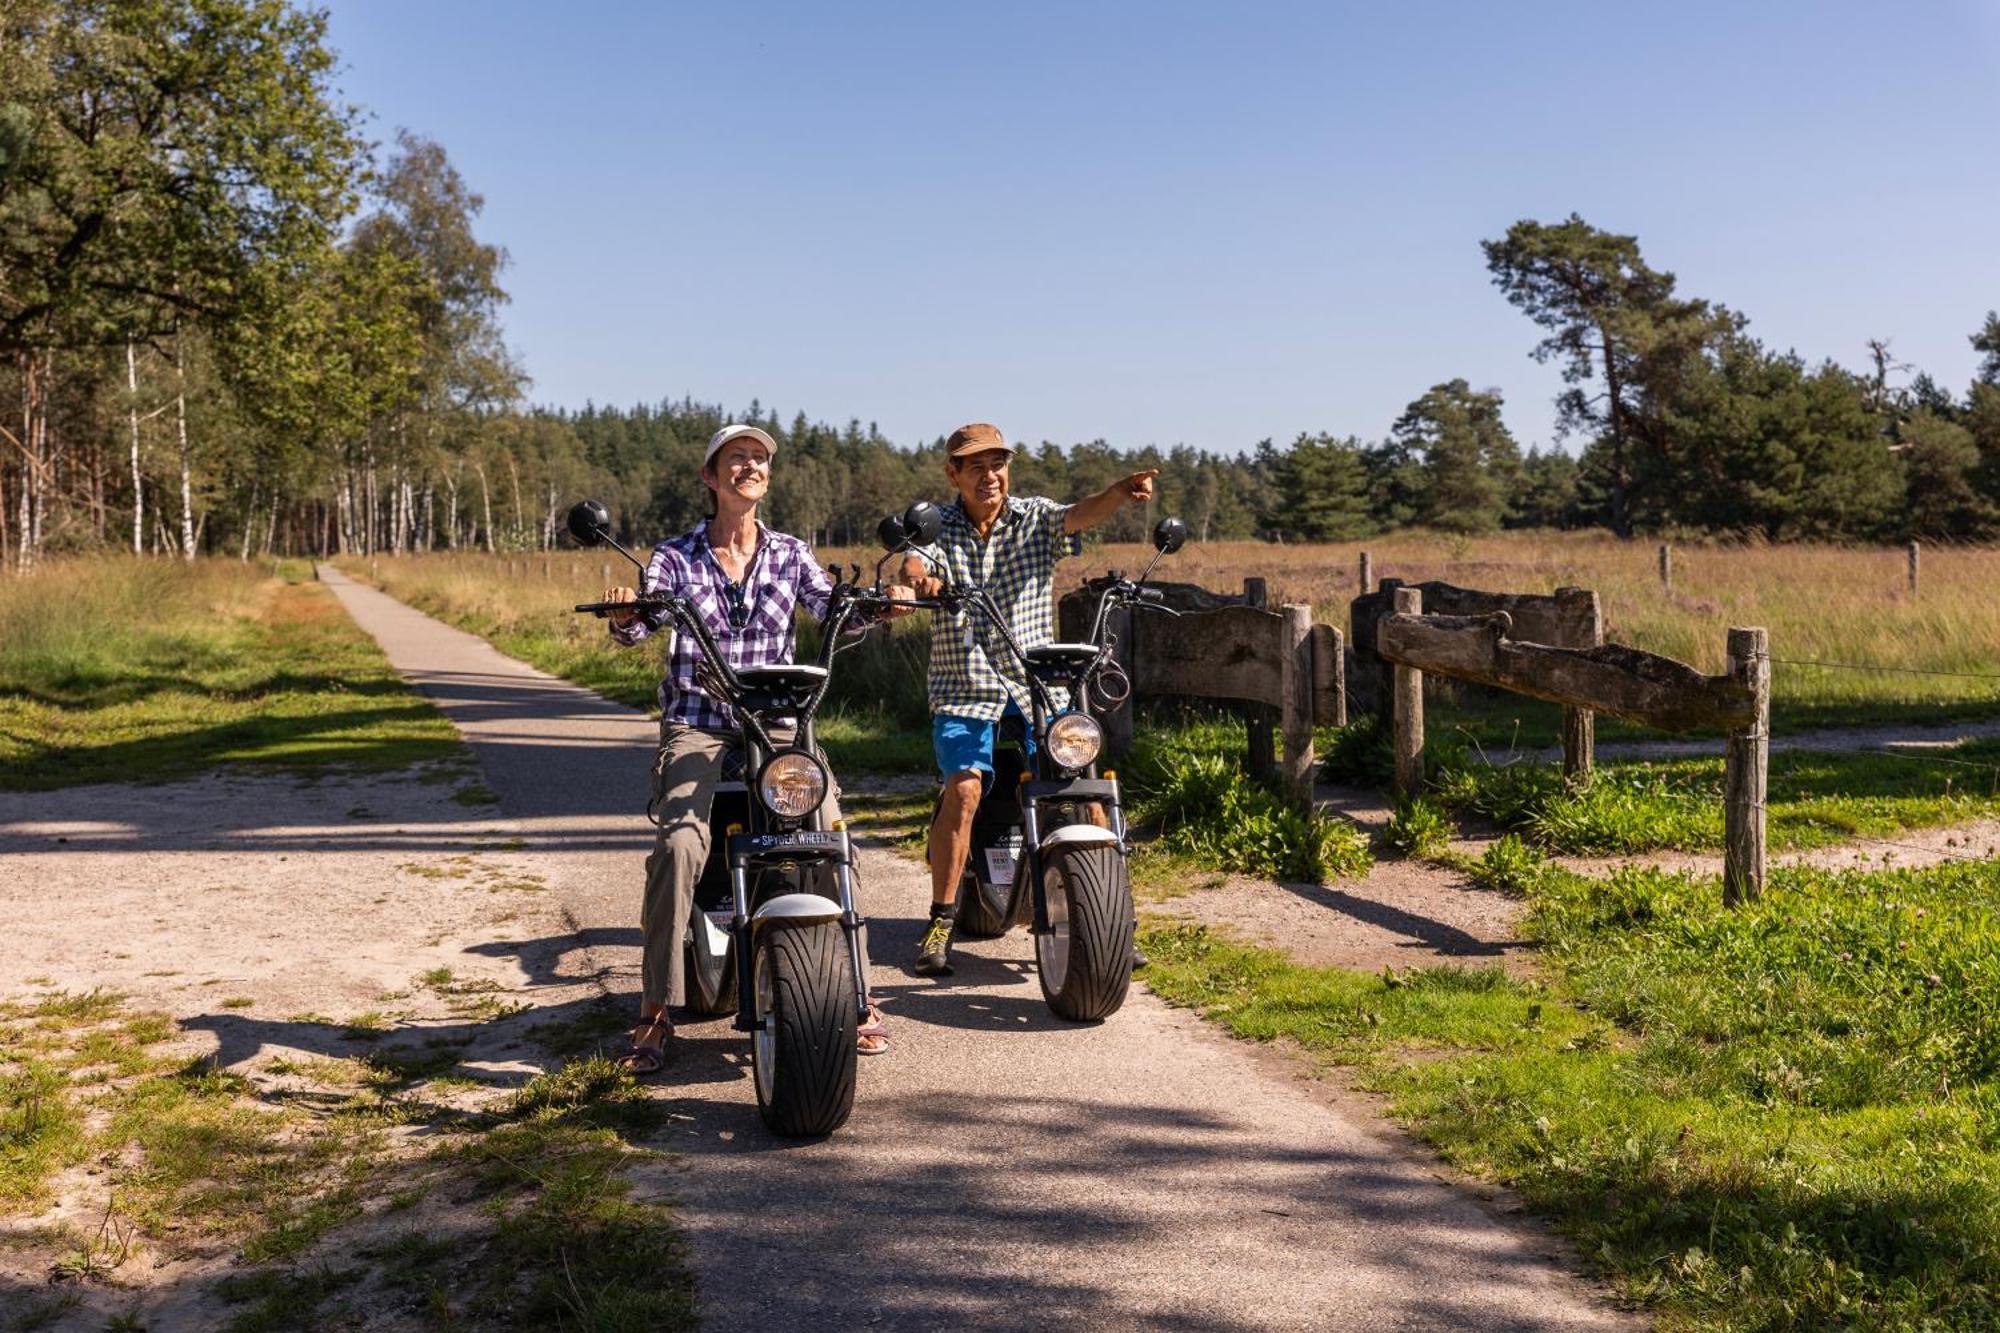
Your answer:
<point x="1325" y="491"/>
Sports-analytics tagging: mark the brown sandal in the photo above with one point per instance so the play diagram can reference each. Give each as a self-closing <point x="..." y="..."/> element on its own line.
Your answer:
<point x="871" y="1038"/>
<point x="644" y="1057"/>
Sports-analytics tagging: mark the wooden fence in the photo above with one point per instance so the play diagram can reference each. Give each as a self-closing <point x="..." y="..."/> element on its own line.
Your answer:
<point x="1416" y="637"/>
<point x="1227" y="646"/>
<point x="1222" y="646"/>
<point x="1569" y="619"/>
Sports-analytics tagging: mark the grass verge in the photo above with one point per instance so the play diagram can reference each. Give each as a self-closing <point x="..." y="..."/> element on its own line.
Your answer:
<point x="120" y="670"/>
<point x="1782" y="1116"/>
<point x="533" y="1184"/>
<point x="1815" y="798"/>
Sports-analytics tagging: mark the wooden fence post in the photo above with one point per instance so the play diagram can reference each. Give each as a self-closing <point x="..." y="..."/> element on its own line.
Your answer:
<point x="1579" y="725"/>
<point x="1745" y="770"/>
<point x="605" y="570"/>
<point x="1261" y="718"/>
<point x="1367" y="573"/>
<point x="1295" y="691"/>
<point x="1916" y="557"/>
<point x="1329" y="675"/>
<point x="1666" y="567"/>
<point x="1407" y="695"/>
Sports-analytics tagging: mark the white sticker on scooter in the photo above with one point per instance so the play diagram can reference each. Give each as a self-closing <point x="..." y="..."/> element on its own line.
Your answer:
<point x="1000" y="865"/>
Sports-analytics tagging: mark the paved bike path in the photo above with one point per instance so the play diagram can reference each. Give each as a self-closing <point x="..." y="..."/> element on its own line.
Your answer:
<point x="1002" y="1170"/>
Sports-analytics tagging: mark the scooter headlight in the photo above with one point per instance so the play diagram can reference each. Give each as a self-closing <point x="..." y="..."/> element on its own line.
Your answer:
<point x="1074" y="740"/>
<point x="792" y="784"/>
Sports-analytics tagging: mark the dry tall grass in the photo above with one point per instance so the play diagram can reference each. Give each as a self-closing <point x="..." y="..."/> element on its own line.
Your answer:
<point x="60" y="617"/>
<point x="1821" y="603"/>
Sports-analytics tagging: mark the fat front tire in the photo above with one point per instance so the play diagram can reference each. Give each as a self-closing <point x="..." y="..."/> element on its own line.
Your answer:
<point x="711" y="982"/>
<point x="1085" y="961"/>
<point x="802" y="1053"/>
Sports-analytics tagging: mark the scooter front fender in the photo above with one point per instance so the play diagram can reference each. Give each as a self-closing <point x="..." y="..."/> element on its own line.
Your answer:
<point x="1078" y="833"/>
<point x="800" y="908"/>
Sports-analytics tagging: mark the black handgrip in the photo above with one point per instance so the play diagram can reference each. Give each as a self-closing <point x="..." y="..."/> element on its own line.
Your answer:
<point x="1152" y="595"/>
<point x="650" y="610"/>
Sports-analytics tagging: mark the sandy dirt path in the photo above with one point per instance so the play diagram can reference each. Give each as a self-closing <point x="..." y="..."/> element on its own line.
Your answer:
<point x="1002" y="1170"/>
<point x="265" y="915"/>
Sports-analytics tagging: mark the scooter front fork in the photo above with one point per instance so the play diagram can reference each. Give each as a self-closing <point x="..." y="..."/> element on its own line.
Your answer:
<point x="747" y="1017"/>
<point x="1031" y="866"/>
<point x="851" y="922"/>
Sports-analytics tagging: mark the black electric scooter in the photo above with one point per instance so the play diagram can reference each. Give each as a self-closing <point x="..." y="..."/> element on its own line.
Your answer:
<point x="774" y="934"/>
<point x="1048" y="842"/>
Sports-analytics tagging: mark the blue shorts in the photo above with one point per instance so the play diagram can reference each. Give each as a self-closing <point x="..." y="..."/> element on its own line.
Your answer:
<point x="965" y="744"/>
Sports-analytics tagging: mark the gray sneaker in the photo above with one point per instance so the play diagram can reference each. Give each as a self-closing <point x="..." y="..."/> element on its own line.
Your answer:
<point x="934" y="953"/>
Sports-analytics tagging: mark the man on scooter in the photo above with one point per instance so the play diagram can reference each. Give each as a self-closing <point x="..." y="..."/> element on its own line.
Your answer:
<point x="1008" y="546"/>
<point x="744" y="581"/>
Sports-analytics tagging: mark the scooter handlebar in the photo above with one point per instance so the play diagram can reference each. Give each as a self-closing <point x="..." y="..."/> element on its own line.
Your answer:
<point x="602" y="609"/>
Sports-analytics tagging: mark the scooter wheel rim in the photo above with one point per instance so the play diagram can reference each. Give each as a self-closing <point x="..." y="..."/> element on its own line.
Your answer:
<point x="1052" y="949"/>
<point x="764" y="1037"/>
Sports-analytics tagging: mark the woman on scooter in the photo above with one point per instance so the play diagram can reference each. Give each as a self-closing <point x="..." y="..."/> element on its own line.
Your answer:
<point x="1009" y="546"/>
<point x="745" y="581"/>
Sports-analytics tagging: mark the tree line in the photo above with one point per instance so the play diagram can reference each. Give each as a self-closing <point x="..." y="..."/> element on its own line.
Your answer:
<point x="233" y="325"/>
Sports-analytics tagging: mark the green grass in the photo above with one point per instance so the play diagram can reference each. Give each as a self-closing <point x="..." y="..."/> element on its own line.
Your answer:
<point x="1781" y="1116"/>
<point x="1815" y="798"/>
<point x="573" y="1248"/>
<point x="1419" y="828"/>
<point x="1189" y="783"/>
<point x="169" y="669"/>
<point x="1501" y="723"/>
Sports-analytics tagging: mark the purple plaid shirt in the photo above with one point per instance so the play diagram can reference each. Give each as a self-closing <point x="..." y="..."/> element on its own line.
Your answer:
<point x="781" y="575"/>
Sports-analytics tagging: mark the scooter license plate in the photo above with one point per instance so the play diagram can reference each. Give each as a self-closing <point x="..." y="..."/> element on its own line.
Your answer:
<point x="804" y="838"/>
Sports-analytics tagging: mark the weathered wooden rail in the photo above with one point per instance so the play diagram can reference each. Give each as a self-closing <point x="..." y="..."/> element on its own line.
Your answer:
<point x="1599" y="678"/>
<point x="1571" y="618"/>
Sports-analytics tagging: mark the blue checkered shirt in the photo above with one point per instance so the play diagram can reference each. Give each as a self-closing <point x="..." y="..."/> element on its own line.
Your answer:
<point x="972" y="673"/>
<point x="782" y="574"/>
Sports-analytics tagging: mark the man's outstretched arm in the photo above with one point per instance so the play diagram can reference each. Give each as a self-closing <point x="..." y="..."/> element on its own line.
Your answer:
<point x="1092" y="510"/>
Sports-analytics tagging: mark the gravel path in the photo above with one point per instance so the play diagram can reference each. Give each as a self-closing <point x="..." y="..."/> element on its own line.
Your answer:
<point x="1002" y="1170"/>
<point x="262" y="912"/>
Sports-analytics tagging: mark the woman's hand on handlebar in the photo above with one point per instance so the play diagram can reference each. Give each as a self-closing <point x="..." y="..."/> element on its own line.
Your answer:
<point x="900" y="592"/>
<point x="621" y="618"/>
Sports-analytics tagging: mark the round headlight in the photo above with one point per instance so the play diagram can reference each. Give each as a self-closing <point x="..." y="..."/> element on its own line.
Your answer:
<point x="792" y="785"/>
<point x="1074" y="740"/>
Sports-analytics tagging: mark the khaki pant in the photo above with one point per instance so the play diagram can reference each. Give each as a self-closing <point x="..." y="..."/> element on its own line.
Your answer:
<point x="685" y="773"/>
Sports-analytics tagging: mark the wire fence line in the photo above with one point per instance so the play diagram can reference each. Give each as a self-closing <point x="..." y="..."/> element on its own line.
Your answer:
<point x="1977" y="767"/>
<point x="1874" y="666"/>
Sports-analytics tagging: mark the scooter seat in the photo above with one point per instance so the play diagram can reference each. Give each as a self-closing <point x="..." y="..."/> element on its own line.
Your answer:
<point x="793" y="676"/>
<point x="1062" y="654"/>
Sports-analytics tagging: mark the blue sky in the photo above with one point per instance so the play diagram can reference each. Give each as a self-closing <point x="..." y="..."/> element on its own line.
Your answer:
<point x="1182" y="223"/>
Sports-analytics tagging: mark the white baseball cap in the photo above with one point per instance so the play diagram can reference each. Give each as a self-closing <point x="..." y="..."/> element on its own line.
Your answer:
<point x="728" y="433"/>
